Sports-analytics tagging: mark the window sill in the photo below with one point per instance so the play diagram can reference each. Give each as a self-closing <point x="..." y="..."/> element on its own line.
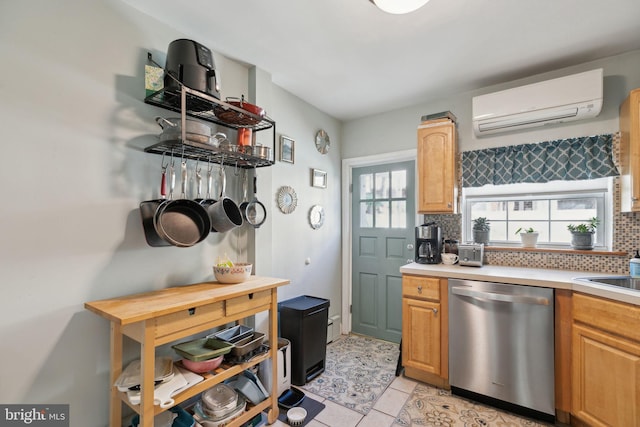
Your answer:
<point x="553" y="250"/>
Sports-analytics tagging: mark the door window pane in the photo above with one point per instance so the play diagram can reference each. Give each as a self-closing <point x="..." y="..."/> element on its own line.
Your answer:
<point x="366" y="186"/>
<point x="366" y="214"/>
<point x="398" y="214"/>
<point x="382" y="185"/>
<point x="399" y="184"/>
<point x="382" y="214"/>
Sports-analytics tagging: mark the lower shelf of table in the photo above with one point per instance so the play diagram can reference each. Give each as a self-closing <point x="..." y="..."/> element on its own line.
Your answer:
<point x="221" y="374"/>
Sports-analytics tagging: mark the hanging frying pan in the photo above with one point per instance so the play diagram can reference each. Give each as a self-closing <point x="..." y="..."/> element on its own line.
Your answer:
<point x="148" y="210"/>
<point x="255" y="212"/>
<point x="182" y="222"/>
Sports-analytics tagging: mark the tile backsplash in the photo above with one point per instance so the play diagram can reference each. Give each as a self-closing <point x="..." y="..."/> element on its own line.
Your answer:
<point x="626" y="238"/>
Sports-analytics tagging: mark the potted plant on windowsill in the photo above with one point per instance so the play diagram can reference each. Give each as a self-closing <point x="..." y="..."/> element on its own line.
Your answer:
<point x="528" y="237"/>
<point x="481" y="230"/>
<point x="583" y="235"/>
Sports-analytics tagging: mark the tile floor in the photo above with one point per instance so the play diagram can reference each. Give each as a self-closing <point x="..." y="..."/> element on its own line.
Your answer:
<point x="383" y="413"/>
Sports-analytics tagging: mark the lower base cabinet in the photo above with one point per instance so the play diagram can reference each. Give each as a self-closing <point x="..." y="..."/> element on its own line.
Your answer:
<point x="425" y="329"/>
<point x="605" y="363"/>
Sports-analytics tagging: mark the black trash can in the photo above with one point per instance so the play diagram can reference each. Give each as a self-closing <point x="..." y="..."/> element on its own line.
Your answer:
<point x="303" y="321"/>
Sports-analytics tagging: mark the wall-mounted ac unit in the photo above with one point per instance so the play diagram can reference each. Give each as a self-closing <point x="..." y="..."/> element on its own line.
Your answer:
<point x="574" y="97"/>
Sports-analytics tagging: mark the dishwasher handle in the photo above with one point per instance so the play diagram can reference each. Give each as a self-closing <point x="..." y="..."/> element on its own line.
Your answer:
<point x="493" y="296"/>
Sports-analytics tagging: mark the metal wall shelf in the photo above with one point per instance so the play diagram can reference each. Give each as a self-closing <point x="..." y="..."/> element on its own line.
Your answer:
<point x="206" y="153"/>
<point x="193" y="103"/>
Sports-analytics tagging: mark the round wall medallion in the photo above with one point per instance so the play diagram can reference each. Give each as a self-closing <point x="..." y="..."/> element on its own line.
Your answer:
<point x="322" y="142"/>
<point x="316" y="216"/>
<point x="287" y="199"/>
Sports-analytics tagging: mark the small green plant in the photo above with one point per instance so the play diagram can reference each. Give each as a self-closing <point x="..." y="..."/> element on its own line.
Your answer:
<point x="588" y="227"/>
<point x="481" y="224"/>
<point x="525" y="230"/>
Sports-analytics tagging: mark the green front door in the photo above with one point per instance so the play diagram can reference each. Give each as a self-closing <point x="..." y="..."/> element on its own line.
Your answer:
<point x="383" y="223"/>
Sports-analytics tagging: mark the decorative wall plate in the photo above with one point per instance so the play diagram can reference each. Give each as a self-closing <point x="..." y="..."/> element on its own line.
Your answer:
<point x="316" y="216"/>
<point x="322" y="142"/>
<point x="287" y="199"/>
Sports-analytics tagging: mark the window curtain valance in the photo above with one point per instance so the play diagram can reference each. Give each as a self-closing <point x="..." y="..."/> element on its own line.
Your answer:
<point x="571" y="159"/>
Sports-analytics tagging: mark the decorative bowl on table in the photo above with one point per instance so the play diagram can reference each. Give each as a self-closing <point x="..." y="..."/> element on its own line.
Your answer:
<point x="236" y="274"/>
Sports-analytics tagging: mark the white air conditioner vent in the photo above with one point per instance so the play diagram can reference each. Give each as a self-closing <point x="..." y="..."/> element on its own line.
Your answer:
<point x="574" y="97"/>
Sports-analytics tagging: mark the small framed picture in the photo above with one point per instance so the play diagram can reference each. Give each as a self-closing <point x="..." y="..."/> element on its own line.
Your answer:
<point x="318" y="178"/>
<point x="287" y="149"/>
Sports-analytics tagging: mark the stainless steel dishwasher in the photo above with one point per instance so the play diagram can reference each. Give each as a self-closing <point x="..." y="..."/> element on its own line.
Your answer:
<point x="501" y="345"/>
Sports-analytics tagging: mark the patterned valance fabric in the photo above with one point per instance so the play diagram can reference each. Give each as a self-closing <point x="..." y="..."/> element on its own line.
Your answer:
<point x="571" y="159"/>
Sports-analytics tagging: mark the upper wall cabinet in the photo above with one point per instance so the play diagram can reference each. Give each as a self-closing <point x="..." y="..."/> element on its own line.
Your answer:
<point x="437" y="176"/>
<point x="630" y="152"/>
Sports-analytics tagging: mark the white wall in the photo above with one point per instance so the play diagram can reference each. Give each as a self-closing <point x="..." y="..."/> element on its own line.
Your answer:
<point x="396" y="130"/>
<point x="294" y="239"/>
<point x="73" y="175"/>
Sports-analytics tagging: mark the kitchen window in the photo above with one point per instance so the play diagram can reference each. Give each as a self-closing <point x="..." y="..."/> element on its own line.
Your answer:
<point x="548" y="208"/>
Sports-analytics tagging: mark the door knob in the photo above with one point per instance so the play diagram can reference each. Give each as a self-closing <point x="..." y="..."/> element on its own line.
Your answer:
<point x="410" y="246"/>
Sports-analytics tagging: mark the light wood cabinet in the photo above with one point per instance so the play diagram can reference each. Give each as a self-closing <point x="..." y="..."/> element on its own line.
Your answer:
<point x="437" y="171"/>
<point x="606" y="362"/>
<point x="425" y="329"/>
<point x="630" y="152"/>
<point x="164" y="316"/>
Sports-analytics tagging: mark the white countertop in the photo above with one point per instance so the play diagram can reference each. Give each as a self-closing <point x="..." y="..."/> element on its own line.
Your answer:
<point x="548" y="278"/>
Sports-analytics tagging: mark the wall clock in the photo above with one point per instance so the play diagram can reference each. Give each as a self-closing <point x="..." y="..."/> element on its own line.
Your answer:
<point x="322" y="142"/>
<point x="316" y="216"/>
<point x="287" y="199"/>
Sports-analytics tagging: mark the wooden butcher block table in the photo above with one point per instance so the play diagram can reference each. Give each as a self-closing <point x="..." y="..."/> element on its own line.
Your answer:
<point x="167" y="315"/>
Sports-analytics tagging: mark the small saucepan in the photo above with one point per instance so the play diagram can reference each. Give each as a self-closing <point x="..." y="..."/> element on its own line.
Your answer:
<point x="225" y="214"/>
<point x="254" y="212"/>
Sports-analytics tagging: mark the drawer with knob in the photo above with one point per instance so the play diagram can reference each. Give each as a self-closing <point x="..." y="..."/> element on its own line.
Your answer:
<point x="421" y="287"/>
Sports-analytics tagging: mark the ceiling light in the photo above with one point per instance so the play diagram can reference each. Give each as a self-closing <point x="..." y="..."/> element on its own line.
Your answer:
<point x="399" y="6"/>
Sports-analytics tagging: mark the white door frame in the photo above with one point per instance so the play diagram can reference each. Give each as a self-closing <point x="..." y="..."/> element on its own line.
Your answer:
<point x="347" y="169"/>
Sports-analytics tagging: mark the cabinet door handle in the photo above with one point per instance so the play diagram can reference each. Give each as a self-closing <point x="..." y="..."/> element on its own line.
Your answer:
<point x="435" y="310"/>
<point x="420" y="289"/>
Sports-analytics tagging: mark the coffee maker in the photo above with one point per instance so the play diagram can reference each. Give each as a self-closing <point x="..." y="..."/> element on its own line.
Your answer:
<point x="428" y="243"/>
